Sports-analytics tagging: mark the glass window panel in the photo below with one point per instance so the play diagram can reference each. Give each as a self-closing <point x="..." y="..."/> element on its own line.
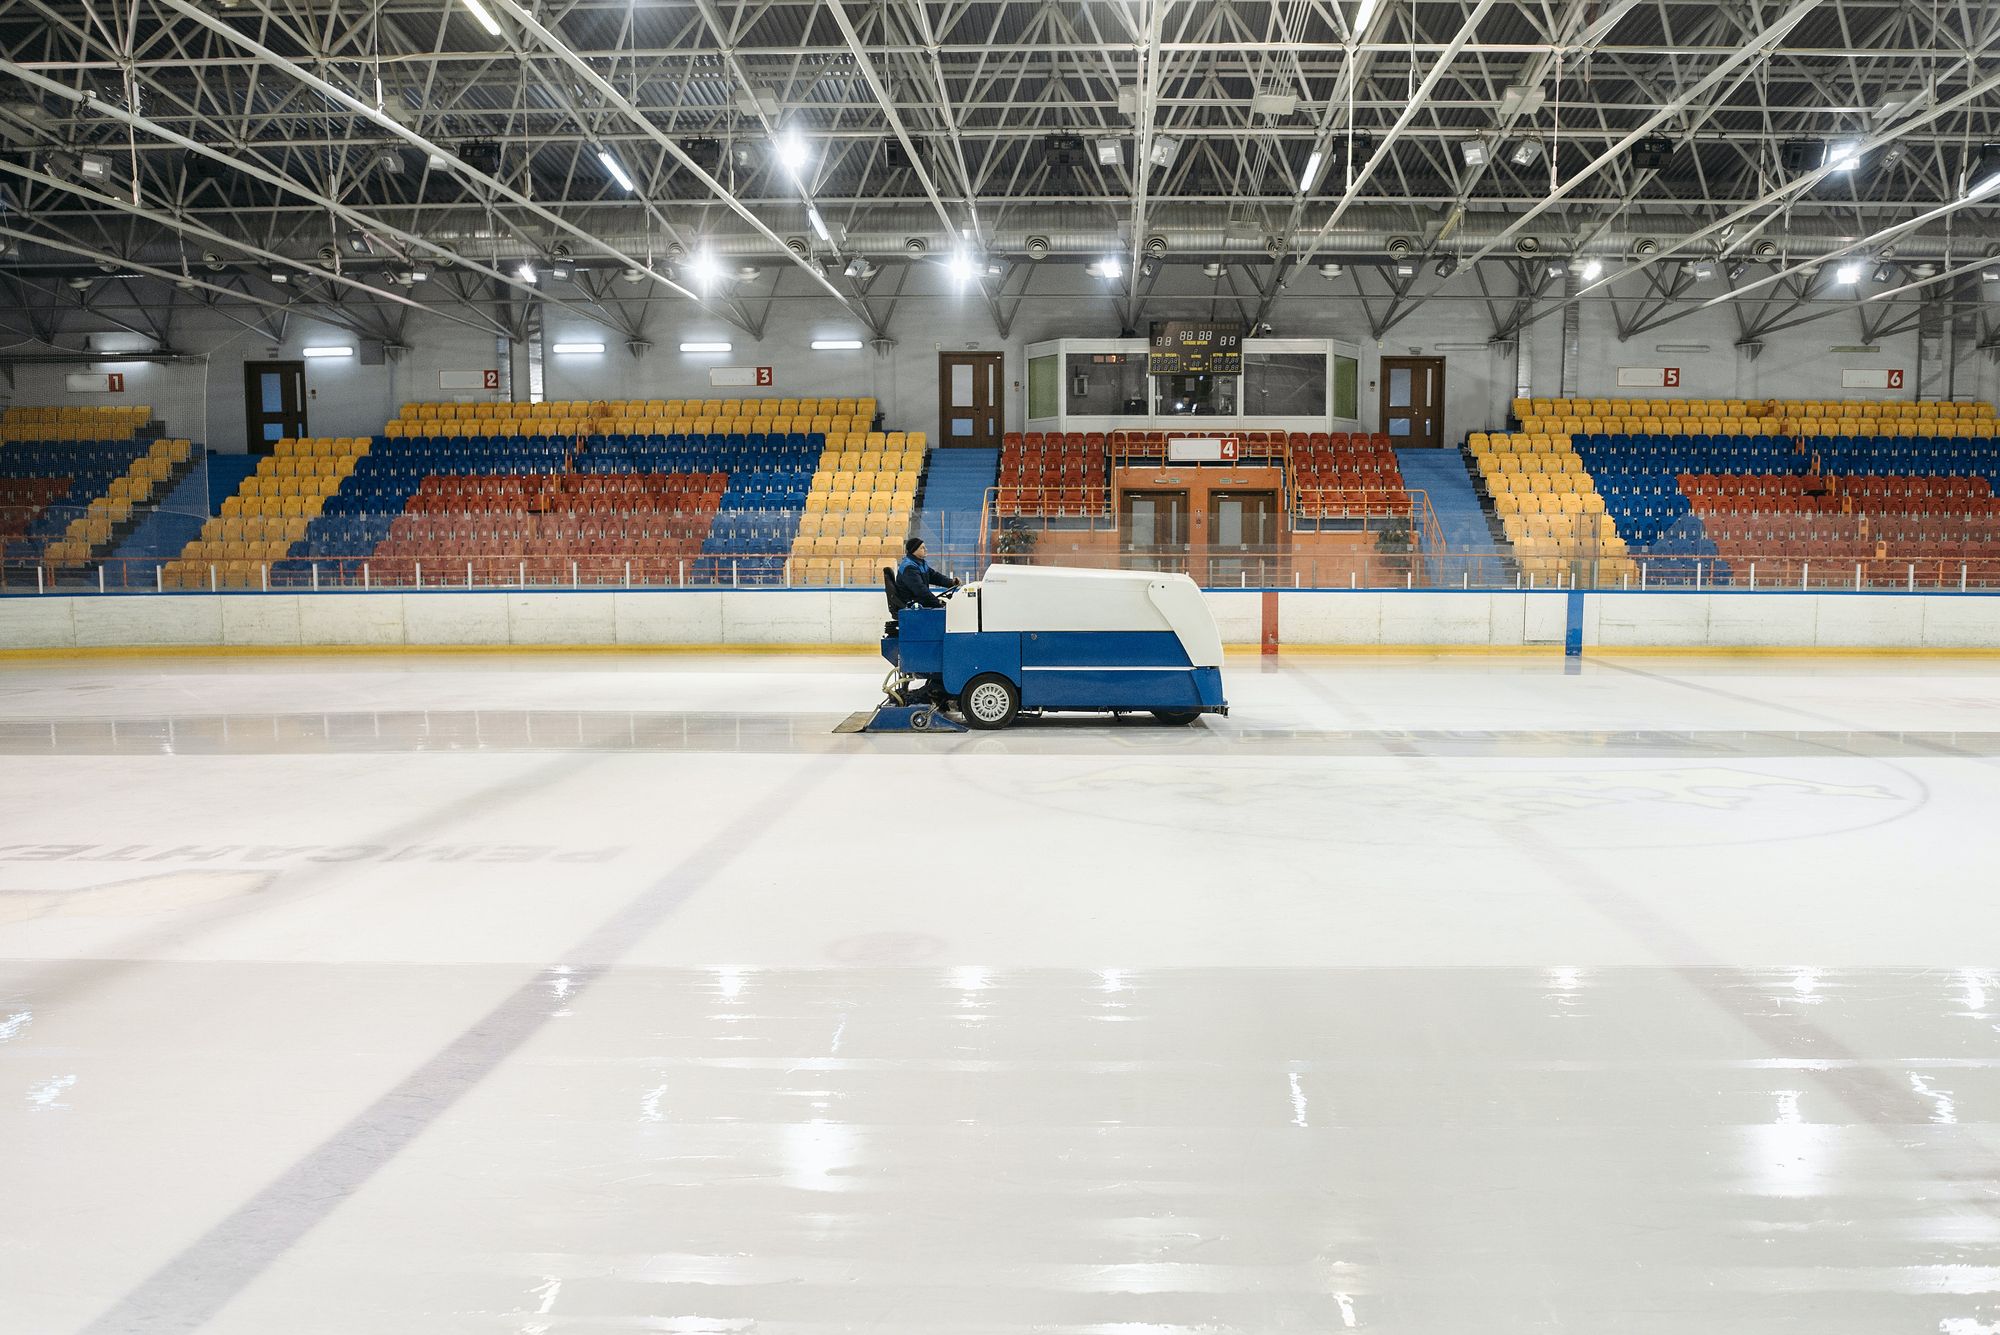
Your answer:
<point x="1284" y="384"/>
<point x="1229" y="522"/>
<point x="1044" y="387"/>
<point x="1399" y="387"/>
<point x="1399" y="426"/>
<point x="1106" y="384"/>
<point x="1197" y="395"/>
<point x="1143" y="522"/>
<point x="961" y="426"/>
<point x="270" y="385"/>
<point x="961" y="385"/>
<point x="1346" y="388"/>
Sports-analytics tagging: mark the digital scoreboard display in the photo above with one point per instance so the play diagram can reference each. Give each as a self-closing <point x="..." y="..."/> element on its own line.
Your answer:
<point x="1195" y="347"/>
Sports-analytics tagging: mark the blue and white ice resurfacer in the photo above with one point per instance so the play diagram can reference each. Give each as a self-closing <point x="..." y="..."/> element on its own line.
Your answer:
<point x="1041" y="639"/>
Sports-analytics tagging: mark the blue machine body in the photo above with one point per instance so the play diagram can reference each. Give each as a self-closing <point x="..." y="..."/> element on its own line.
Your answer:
<point x="1097" y="670"/>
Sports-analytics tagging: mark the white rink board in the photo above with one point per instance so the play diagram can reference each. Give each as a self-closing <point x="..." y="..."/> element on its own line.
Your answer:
<point x="853" y="618"/>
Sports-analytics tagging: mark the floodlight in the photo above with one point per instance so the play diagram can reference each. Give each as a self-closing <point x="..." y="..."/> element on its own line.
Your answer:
<point x="1848" y="274"/>
<point x="792" y="152"/>
<point x="1314" y="161"/>
<point x="1526" y="153"/>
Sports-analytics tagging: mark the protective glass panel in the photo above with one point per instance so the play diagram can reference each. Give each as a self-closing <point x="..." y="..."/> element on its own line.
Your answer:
<point x="1399" y="426"/>
<point x="961" y="385"/>
<point x="1399" y="387"/>
<point x="1284" y="384"/>
<point x="1197" y="395"/>
<point x="1144" y="522"/>
<point x="1106" y="384"/>
<point x="270" y="385"/>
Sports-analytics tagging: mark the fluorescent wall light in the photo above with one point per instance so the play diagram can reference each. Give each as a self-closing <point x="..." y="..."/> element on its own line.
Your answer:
<point x="329" y="352"/>
<point x="577" y="347"/>
<point x="836" y="345"/>
<point x="611" y="165"/>
<point x="1313" y="163"/>
<point x="704" y="347"/>
<point x="478" y="11"/>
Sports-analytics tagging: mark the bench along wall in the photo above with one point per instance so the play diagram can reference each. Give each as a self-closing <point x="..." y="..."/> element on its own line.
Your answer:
<point x="853" y="618"/>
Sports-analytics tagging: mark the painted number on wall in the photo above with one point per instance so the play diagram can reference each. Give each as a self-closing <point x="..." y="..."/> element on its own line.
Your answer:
<point x="1672" y="378"/>
<point x="764" y="379"/>
<point x="490" y="379"/>
<point x="1895" y="380"/>
<point x="1230" y="445"/>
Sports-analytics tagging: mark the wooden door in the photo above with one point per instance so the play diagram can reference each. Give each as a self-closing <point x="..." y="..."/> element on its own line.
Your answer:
<point x="274" y="403"/>
<point x="970" y="399"/>
<point x="1413" y="401"/>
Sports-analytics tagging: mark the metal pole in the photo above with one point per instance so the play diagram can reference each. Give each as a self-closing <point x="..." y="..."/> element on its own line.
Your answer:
<point x="366" y="581"/>
<point x="468" y="574"/>
<point x="572" y="574"/>
<point x="1913" y="577"/>
<point x="39" y="588"/>
<point x="628" y="574"/>
<point x="682" y="578"/>
<point x="1857" y="575"/>
<point x="315" y="577"/>
<point x="264" y="575"/>
<point x="100" y="578"/>
<point x="1642" y="574"/>
<point x="1805" y="569"/>
<point x="1961" y="577"/>
<point x="1753" y="576"/>
<point x="211" y="577"/>
<point x="160" y="578"/>
<point x="522" y="574"/>
<point x="420" y="574"/>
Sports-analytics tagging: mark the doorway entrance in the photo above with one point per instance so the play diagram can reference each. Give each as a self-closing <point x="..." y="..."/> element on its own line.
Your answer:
<point x="1413" y="401"/>
<point x="274" y="403"/>
<point x="1242" y="537"/>
<point x="969" y="399"/>
<point x="1156" y="529"/>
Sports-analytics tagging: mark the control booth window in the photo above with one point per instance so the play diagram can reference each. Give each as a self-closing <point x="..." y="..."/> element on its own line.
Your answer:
<point x="1105" y="384"/>
<point x="1284" y="384"/>
<point x="1196" y="395"/>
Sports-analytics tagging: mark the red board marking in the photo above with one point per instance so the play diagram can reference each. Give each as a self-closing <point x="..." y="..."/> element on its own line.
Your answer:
<point x="114" y="383"/>
<point x="1895" y="380"/>
<point x="1673" y="377"/>
<point x="764" y="376"/>
<point x="1230" y="446"/>
<point x="1270" y="639"/>
<point x="490" y="379"/>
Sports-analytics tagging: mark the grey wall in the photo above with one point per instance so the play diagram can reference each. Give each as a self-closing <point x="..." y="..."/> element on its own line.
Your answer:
<point x="204" y="402"/>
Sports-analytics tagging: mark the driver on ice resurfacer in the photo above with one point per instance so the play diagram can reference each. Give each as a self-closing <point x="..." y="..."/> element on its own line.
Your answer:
<point x="914" y="577"/>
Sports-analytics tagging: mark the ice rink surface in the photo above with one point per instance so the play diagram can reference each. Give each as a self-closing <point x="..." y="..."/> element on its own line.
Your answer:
<point x="606" y="994"/>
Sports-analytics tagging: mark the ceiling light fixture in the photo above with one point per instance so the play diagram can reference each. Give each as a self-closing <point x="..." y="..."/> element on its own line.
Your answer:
<point x="568" y="348"/>
<point x="1108" y="267"/>
<point x="818" y="224"/>
<point x="327" y="351"/>
<point x="1447" y="265"/>
<point x="486" y="20"/>
<point x="792" y="152"/>
<point x="836" y="345"/>
<point x="526" y="273"/>
<point x="1473" y="151"/>
<point x="1843" y="157"/>
<point x="1110" y="153"/>
<point x="961" y="267"/>
<point x="704" y="268"/>
<point x="1592" y="270"/>
<point x="1526" y="153"/>
<point x="1985" y="173"/>
<point x="1164" y="150"/>
<point x="1847" y="274"/>
<point x="705" y="347"/>
<point x="617" y="172"/>
<point x="1314" y="161"/>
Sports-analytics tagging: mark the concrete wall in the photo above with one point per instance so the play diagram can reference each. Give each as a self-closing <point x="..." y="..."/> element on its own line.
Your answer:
<point x="854" y="618"/>
<point x="204" y="402"/>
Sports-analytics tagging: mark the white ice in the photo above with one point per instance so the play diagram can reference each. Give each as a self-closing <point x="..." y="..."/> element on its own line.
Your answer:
<point x="617" y="993"/>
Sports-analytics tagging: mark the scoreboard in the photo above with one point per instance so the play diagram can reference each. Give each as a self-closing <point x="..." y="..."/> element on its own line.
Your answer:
<point x="1195" y="347"/>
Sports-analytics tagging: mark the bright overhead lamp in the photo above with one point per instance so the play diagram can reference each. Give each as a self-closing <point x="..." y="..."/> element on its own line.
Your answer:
<point x="1985" y="173"/>
<point x="486" y="21"/>
<point x="1592" y="270"/>
<point x="329" y="351"/>
<point x="1273" y="104"/>
<point x="526" y="273"/>
<point x="1843" y="157"/>
<point x="836" y="345"/>
<point x="1847" y="274"/>
<point x="704" y="269"/>
<point x="961" y="267"/>
<point x="1108" y="268"/>
<point x="1526" y="152"/>
<point x="1703" y="270"/>
<point x="704" y="347"/>
<point x="567" y="348"/>
<point x="818" y="224"/>
<point x="1314" y="161"/>
<point x="792" y="152"/>
<point x="617" y="172"/>
<point x="1110" y="153"/>
<point x="280" y="277"/>
<point x="1473" y="151"/>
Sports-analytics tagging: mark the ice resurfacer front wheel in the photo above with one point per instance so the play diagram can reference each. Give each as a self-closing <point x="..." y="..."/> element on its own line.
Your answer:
<point x="990" y="701"/>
